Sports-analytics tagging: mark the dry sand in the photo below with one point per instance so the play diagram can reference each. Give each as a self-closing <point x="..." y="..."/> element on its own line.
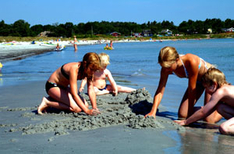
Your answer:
<point x="19" y="50"/>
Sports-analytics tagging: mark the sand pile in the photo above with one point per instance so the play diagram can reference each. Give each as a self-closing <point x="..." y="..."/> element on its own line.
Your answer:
<point x="124" y="109"/>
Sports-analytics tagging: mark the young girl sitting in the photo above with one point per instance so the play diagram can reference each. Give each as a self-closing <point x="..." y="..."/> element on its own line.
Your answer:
<point x="99" y="80"/>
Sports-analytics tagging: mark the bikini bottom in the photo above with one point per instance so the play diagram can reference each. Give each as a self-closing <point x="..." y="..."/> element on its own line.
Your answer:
<point x="103" y="88"/>
<point x="49" y="85"/>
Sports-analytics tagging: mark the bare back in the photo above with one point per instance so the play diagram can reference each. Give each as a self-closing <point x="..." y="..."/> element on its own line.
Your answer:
<point x="228" y="94"/>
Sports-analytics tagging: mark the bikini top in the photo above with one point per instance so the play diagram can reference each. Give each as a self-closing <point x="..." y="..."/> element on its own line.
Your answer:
<point x="80" y="75"/>
<point x="199" y="66"/>
<point x="64" y="73"/>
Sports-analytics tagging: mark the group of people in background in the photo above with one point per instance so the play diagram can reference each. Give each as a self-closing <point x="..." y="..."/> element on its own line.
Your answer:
<point x="107" y="47"/>
<point x="202" y="77"/>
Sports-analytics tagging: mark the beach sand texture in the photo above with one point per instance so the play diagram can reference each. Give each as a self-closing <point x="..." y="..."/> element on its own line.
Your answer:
<point x="120" y="128"/>
<point x="21" y="126"/>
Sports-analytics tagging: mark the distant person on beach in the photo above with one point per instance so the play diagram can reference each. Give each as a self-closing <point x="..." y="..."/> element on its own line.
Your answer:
<point x="1" y="67"/>
<point x="99" y="80"/>
<point x="222" y="100"/>
<point x="184" y="66"/>
<point x="57" y="47"/>
<point x="111" y="44"/>
<point x="63" y="90"/>
<point x="75" y="43"/>
<point x="107" y="46"/>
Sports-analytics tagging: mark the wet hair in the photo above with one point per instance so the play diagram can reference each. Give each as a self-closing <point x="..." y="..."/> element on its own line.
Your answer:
<point x="214" y="75"/>
<point x="105" y="59"/>
<point x="167" y="56"/>
<point x="90" y="60"/>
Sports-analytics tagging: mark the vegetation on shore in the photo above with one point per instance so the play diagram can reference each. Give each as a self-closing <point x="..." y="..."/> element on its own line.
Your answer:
<point x="108" y="37"/>
<point x="22" y="31"/>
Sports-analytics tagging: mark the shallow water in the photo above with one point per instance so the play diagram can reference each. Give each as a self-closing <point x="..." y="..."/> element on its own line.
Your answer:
<point x="132" y="64"/>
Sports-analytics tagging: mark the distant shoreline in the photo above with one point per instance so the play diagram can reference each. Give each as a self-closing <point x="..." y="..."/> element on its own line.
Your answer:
<point x="15" y="50"/>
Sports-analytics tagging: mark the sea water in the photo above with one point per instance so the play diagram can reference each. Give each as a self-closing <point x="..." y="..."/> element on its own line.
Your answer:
<point x="133" y="64"/>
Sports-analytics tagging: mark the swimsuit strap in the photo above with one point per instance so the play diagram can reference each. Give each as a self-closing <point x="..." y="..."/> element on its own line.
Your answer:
<point x="64" y="73"/>
<point x="201" y="64"/>
<point x="185" y="71"/>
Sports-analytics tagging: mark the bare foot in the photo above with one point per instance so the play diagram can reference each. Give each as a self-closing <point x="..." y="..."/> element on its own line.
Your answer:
<point x="42" y="106"/>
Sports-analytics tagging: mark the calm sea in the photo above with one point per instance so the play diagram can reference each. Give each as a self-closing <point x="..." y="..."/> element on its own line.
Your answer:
<point x="132" y="64"/>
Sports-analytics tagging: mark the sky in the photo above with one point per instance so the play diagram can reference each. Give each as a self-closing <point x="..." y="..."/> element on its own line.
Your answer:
<point x="139" y="11"/>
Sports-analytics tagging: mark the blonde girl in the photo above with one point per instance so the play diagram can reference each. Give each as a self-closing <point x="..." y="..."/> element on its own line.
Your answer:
<point x="100" y="76"/>
<point x="184" y="66"/>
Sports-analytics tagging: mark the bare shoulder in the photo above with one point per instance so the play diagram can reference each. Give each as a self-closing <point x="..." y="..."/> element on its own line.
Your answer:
<point x="106" y="71"/>
<point x="192" y="61"/>
<point x="227" y="89"/>
<point x="74" y="66"/>
<point x="191" y="57"/>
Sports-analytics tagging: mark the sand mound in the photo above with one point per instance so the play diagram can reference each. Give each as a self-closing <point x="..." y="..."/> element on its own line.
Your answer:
<point x="124" y="109"/>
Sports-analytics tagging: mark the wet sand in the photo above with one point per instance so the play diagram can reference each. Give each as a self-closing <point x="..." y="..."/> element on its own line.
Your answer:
<point x="120" y="128"/>
<point x="117" y="129"/>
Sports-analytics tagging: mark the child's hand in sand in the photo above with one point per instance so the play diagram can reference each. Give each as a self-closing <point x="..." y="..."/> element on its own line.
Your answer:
<point x="115" y="93"/>
<point x="94" y="112"/>
<point x="150" y="115"/>
<point x="81" y="89"/>
<point x="180" y="122"/>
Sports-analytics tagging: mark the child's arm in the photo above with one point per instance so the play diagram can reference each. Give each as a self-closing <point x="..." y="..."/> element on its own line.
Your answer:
<point x="204" y="111"/>
<point x="74" y="90"/>
<point x="112" y="81"/>
<point x="159" y="93"/>
<point x="92" y="94"/>
<point x="83" y="83"/>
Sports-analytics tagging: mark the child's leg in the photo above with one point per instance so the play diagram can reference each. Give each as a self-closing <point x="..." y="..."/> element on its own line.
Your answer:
<point x="184" y="105"/>
<point x="64" y="100"/>
<point x="225" y="110"/>
<point x="120" y="89"/>
<point x="227" y="127"/>
<point x="183" y="109"/>
<point x="47" y="102"/>
<point x="214" y="116"/>
<point x="125" y="89"/>
<point x="101" y="92"/>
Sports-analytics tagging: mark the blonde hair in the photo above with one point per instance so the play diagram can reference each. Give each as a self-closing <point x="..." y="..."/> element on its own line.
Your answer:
<point x="214" y="75"/>
<point x="105" y="59"/>
<point x="167" y="56"/>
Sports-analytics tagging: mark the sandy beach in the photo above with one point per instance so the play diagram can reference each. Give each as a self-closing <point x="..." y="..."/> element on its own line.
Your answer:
<point x="18" y="50"/>
<point x="120" y="128"/>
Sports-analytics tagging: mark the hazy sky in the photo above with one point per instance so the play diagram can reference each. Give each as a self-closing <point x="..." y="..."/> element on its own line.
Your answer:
<point x="139" y="11"/>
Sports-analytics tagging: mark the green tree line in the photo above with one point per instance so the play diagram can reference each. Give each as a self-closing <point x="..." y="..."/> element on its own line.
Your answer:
<point x="22" y="28"/>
